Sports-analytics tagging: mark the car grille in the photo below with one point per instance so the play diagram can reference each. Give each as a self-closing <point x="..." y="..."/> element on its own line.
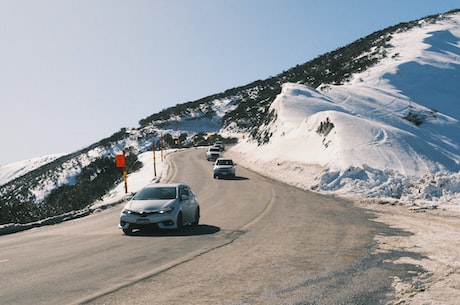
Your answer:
<point x="145" y="213"/>
<point x="225" y="169"/>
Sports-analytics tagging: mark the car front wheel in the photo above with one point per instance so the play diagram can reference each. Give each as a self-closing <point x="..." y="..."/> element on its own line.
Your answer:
<point x="128" y="231"/>
<point x="197" y="217"/>
<point x="179" y="222"/>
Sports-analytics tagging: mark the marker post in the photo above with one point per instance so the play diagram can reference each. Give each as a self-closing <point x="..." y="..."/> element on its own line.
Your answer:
<point x="154" y="162"/>
<point x="120" y="162"/>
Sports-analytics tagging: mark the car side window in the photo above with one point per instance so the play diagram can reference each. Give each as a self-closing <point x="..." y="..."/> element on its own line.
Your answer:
<point x="184" y="190"/>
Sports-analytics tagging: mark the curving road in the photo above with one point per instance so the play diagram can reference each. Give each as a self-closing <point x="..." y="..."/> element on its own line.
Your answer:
<point x="258" y="242"/>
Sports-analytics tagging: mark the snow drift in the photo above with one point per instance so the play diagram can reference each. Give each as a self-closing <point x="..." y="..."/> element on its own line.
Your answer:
<point x="390" y="132"/>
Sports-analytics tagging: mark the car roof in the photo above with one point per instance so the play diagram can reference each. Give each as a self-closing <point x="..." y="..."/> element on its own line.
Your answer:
<point x="165" y="184"/>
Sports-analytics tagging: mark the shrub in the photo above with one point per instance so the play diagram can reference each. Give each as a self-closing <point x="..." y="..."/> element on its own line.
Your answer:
<point x="416" y="118"/>
<point x="325" y="127"/>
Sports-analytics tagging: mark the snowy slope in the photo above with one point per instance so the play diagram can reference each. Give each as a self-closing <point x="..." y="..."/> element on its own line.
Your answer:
<point x="14" y="170"/>
<point x="372" y="150"/>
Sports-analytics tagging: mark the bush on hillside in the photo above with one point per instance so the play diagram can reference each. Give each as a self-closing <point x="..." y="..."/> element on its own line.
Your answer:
<point x="325" y="127"/>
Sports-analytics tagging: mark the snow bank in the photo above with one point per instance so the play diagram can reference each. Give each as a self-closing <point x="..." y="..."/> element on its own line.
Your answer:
<point x="391" y="133"/>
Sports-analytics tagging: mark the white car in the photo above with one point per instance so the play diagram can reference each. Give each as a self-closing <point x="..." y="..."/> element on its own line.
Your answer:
<point x="220" y="144"/>
<point x="213" y="153"/>
<point x="224" y="167"/>
<point x="163" y="206"/>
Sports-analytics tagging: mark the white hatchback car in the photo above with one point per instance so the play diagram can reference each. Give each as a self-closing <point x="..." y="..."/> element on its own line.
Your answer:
<point x="224" y="167"/>
<point x="163" y="206"/>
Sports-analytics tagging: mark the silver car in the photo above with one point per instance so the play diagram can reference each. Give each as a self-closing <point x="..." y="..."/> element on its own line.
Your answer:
<point x="224" y="167"/>
<point x="162" y="206"/>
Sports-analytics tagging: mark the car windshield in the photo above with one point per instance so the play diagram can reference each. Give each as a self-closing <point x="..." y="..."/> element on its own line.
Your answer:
<point x="224" y="162"/>
<point x="156" y="193"/>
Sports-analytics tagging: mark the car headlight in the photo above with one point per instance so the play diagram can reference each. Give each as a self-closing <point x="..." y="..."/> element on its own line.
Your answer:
<point x="126" y="212"/>
<point x="166" y="210"/>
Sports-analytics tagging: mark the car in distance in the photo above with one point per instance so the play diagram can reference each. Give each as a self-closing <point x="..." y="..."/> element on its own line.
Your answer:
<point x="162" y="206"/>
<point x="224" y="167"/>
<point x="220" y="144"/>
<point x="213" y="153"/>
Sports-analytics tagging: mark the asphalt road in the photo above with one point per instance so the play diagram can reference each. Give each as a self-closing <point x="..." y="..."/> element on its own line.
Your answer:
<point x="258" y="242"/>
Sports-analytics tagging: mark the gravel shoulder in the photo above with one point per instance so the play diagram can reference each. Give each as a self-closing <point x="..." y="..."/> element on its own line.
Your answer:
<point x="435" y="235"/>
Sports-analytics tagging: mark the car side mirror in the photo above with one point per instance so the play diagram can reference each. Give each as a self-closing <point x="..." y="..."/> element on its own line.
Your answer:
<point x="183" y="197"/>
<point x="130" y="196"/>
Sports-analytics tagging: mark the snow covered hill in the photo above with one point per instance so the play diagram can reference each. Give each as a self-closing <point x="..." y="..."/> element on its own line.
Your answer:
<point x="391" y="132"/>
<point x="14" y="170"/>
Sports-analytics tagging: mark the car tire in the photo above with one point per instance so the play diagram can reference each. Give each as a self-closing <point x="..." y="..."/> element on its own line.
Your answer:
<point x="179" y="222"/>
<point x="197" y="218"/>
<point x="128" y="231"/>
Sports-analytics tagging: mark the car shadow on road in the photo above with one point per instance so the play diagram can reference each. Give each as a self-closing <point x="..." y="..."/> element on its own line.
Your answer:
<point x="187" y="231"/>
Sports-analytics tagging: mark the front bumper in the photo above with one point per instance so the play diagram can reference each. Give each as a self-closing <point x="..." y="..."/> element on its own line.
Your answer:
<point x="138" y="221"/>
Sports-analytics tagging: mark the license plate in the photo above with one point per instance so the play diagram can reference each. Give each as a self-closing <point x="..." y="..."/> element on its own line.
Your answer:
<point x="143" y="221"/>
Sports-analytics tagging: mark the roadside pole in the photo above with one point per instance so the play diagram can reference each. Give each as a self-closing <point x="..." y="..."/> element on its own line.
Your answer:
<point x="161" y="146"/>
<point x="120" y="162"/>
<point x="154" y="162"/>
<point x="125" y="178"/>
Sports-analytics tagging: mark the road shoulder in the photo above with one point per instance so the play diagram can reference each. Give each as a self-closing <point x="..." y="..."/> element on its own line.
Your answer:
<point x="435" y="233"/>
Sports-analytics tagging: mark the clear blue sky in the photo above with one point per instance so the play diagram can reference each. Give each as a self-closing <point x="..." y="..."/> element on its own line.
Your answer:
<point x="74" y="72"/>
